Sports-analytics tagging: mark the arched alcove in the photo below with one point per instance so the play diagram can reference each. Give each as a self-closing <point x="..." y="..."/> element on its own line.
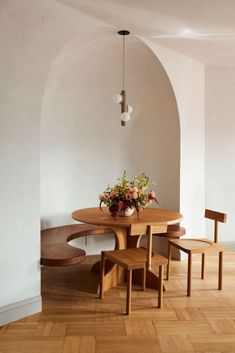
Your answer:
<point x="83" y="146"/>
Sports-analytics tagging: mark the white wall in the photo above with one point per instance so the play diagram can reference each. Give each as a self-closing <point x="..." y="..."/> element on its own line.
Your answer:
<point x="220" y="146"/>
<point x="187" y="77"/>
<point x="32" y="34"/>
<point x="84" y="148"/>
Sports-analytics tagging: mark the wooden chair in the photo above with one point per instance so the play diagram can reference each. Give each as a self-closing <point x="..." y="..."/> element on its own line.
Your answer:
<point x="200" y="246"/>
<point x="134" y="259"/>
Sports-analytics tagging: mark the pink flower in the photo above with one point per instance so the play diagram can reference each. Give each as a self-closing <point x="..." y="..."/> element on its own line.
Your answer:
<point x="101" y="197"/>
<point x="134" y="195"/>
<point x="134" y="189"/>
<point x="152" y="195"/>
<point x="120" y="205"/>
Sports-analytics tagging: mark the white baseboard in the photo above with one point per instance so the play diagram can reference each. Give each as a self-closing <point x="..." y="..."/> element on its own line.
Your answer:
<point x="19" y="310"/>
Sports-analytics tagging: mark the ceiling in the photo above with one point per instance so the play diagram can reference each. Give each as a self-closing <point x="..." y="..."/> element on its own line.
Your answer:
<point x="201" y="29"/>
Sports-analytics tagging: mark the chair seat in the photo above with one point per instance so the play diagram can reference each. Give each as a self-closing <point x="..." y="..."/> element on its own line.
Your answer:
<point x="197" y="245"/>
<point x="133" y="258"/>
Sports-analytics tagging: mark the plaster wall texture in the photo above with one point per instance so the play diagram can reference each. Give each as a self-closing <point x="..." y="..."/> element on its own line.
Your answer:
<point x="30" y="38"/>
<point x="220" y="146"/>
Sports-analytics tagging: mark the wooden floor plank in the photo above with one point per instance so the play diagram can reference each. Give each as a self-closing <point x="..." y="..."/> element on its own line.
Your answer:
<point x="223" y="326"/>
<point x="27" y="345"/>
<point x="189" y="314"/>
<point x="139" y="328"/>
<point x="82" y="344"/>
<point x="219" y="343"/>
<point x="182" y="327"/>
<point x="96" y="327"/>
<point x="130" y="344"/>
<point x="175" y="343"/>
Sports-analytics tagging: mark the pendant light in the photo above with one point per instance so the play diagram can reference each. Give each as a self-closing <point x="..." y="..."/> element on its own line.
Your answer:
<point x="120" y="98"/>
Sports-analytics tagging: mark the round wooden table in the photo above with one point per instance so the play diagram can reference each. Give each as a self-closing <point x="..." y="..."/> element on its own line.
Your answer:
<point x="128" y="231"/>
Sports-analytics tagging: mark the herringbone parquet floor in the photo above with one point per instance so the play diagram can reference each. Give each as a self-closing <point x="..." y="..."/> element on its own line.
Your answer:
<point x="73" y="320"/>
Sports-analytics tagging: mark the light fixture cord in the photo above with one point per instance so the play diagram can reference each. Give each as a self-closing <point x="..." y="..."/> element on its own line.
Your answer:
<point x="123" y="62"/>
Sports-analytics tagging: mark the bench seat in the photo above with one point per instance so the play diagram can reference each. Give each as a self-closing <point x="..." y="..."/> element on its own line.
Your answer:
<point x="55" y="250"/>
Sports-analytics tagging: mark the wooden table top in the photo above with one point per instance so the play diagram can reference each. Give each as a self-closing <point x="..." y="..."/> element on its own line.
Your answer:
<point x="148" y="216"/>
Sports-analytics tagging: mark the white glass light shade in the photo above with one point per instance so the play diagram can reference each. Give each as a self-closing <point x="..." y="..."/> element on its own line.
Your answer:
<point x="129" y="109"/>
<point x="125" y="117"/>
<point x="117" y="98"/>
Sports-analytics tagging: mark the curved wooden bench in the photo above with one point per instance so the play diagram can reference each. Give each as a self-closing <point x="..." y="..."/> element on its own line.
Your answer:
<point x="55" y="250"/>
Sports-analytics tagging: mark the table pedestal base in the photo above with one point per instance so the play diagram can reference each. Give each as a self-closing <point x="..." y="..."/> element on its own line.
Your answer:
<point x="115" y="275"/>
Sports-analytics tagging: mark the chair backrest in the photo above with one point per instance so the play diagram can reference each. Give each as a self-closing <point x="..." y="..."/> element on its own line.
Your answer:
<point x="149" y="230"/>
<point x="149" y="246"/>
<point x="216" y="217"/>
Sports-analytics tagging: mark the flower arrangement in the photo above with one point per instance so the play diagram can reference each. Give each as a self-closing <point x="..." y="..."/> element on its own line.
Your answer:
<point x="135" y="194"/>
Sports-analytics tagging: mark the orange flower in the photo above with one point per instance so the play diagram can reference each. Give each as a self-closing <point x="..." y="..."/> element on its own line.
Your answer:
<point x="112" y="194"/>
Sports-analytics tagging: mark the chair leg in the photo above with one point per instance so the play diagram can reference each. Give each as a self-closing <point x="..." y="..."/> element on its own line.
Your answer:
<point x="203" y="266"/>
<point x="160" y="286"/>
<point x="143" y="279"/>
<point x="189" y="276"/>
<point x="102" y="270"/>
<point x="128" y="292"/>
<point x="169" y="260"/>
<point x="220" y="278"/>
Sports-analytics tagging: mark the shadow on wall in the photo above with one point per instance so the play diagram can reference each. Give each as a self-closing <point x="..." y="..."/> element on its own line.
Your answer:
<point x="93" y="245"/>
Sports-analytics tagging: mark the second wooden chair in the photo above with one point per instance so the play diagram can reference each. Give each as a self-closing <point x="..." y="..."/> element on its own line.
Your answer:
<point x="200" y="246"/>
